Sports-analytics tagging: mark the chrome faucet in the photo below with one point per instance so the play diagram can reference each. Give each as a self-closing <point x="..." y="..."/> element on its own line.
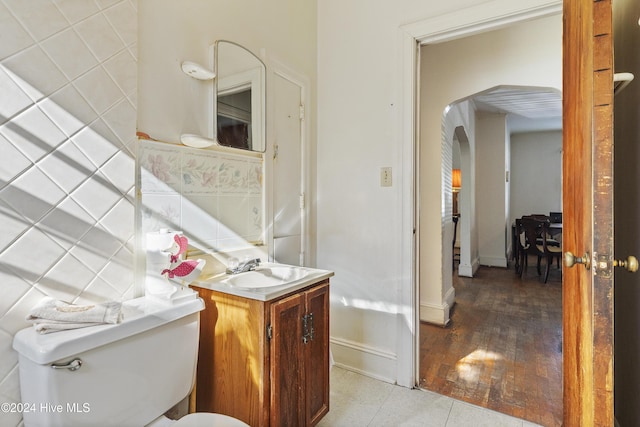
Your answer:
<point x="243" y="266"/>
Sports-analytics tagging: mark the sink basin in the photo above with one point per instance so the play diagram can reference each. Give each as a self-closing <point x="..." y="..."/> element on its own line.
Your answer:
<point x="266" y="277"/>
<point x="268" y="282"/>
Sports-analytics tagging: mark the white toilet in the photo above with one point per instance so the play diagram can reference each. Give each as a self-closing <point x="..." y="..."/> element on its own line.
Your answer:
<point x="127" y="374"/>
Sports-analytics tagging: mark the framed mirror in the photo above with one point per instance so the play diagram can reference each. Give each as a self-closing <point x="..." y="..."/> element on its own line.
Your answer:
<point x="239" y="97"/>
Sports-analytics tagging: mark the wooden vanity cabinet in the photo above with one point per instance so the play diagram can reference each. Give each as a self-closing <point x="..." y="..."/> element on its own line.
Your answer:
<point x="265" y="362"/>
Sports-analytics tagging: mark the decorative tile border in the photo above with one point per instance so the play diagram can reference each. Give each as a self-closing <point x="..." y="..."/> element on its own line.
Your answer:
<point x="232" y="175"/>
<point x="233" y="183"/>
<point x="254" y="177"/>
<point x="159" y="168"/>
<point x="199" y="173"/>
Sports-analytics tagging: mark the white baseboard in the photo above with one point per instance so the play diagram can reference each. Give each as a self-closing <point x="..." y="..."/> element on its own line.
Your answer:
<point x="450" y="298"/>
<point x="466" y="270"/>
<point x="437" y="314"/>
<point x="375" y="363"/>
<point x="493" y="261"/>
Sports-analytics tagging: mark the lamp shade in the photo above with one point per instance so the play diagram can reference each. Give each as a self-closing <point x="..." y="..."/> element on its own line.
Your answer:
<point x="456" y="179"/>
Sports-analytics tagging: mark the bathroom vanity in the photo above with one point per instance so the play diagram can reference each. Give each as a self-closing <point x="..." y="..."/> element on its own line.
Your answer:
<point x="264" y="346"/>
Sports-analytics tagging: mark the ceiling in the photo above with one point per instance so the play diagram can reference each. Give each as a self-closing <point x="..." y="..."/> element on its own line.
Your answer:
<point x="528" y="109"/>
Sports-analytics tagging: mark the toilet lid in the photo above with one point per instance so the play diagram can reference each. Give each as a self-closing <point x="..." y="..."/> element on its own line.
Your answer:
<point x="205" y="419"/>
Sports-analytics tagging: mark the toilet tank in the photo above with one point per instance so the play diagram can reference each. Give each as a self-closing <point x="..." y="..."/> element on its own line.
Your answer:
<point x="130" y="373"/>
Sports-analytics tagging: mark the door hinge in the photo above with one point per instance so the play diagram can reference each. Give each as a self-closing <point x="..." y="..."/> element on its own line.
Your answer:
<point x="269" y="332"/>
<point x="301" y="111"/>
<point x="307" y="328"/>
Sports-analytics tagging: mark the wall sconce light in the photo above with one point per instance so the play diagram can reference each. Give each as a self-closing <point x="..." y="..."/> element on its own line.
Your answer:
<point x="456" y="179"/>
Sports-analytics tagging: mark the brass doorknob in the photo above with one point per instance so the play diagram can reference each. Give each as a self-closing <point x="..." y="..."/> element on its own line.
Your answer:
<point x="570" y="260"/>
<point x="630" y="264"/>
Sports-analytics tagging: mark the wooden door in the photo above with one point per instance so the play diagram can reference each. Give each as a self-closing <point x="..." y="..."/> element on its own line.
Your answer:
<point x="287" y="363"/>
<point x="588" y="213"/>
<point x="317" y="355"/>
<point x="232" y="365"/>
<point x="300" y="358"/>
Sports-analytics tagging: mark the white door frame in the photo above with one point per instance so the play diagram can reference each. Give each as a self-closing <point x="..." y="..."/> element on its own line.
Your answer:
<point x="461" y="23"/>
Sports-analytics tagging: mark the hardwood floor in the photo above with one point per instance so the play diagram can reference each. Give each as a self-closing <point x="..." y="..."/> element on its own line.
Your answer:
<point x="502" y="349"/>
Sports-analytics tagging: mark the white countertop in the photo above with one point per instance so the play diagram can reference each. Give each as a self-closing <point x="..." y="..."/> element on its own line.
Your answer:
<point x="219" y="283"/>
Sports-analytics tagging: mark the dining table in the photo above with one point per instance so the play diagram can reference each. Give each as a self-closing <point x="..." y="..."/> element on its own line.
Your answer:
<point x="555" y="229"/>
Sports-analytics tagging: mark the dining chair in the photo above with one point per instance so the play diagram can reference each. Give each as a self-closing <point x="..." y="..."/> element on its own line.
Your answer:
<point x="453" y="244"/>
<point x="537" y="243"/>
<point x="551" y="240"/>
<point x="523" y="242"/>
<point x="519" y="242"/>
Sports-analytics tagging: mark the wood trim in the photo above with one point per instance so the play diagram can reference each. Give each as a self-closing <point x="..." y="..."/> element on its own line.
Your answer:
<point x="587" y="205"/>
<point x="578" y="403"/>
<point x="603" y="212"/>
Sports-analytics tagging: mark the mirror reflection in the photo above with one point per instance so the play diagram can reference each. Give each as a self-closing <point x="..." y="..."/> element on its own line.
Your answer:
<point x="239" y="115"/>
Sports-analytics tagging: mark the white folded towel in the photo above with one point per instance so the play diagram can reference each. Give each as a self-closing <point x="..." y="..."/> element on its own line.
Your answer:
<point x="51" y="315"/>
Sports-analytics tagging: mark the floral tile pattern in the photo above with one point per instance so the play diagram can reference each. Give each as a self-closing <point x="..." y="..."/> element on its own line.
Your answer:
<point x="159" y="169"/>
<point x="199" y="173"/>
<point x="233" y="176"/>
<point x="216" y="198"/>
<point x="254" y="177"/>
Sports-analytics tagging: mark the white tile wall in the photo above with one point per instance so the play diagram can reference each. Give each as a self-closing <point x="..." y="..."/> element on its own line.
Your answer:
<point x="215" y="198"/>
<point x="67" y="135"/>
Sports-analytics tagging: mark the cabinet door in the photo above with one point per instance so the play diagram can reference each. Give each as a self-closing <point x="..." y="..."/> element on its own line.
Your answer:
<point x="317" y="354"/>
<point x="233" y="369"/>
<point x="287" y="362"/>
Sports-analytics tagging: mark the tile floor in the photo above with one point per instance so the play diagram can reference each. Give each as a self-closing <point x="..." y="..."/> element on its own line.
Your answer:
<point x="357" y="400"/>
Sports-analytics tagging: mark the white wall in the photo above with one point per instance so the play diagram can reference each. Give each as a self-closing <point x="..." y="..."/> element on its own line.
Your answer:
<point x="438" y="298"/>
<point x="360" y="129"/>
<point x="67" y="134"/>
<point x="467" y="198"/>
<point x="536" y="173"/>
<point x="490" y="180"/>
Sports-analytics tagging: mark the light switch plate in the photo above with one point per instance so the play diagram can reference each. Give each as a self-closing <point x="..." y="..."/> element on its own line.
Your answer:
<point x="386" y="179"/>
